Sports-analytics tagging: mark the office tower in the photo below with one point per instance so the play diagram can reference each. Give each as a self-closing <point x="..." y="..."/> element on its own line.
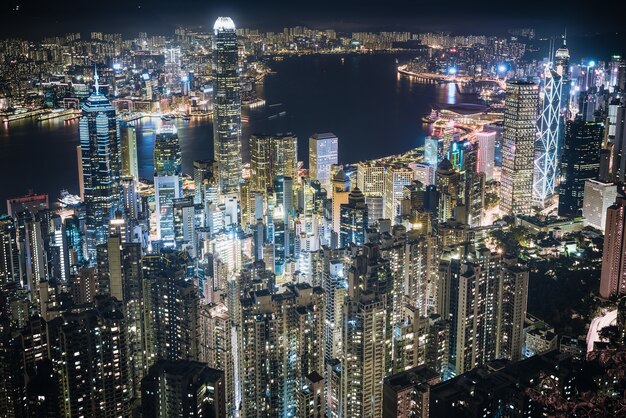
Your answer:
<point x="9" y="254"/>
<point x="226" y="105"/>
<point x="396" y="177"/>
<point x="561" y="65"/>
<point x="619" y="147"/>
<point x="353" y="219"/>
<point x="89" y="353"/>
<point x="185" y="221"/>
<point x="130" y="165"/>
<point x="291" y="322"/>
<point x="407" y="394"/>
<point x="366" y="355"/>
<point x="171" y="309"/>
<point x="581" y="161"/>
<point x="613" y="276"/>
<point x="486" y="153"/>
<point x="272" y="156"/>
<point x="433" y="150"/>
<point x="32" y="203"/>
<point x="172" y="69"/>
<point x="216" y="347"/>
<point x="340" y="191"/>
<point x="34" y="258"/>
<point x="101" y="164"/>
<point x="471" y="211"/>
<point x="513" y="305"/>
<point x="323" y="153"/>
<point x="547" y="143"/>
<point x="449" y="189"/>
<point x="370" y="178"/>
<point x="60" y="259"/>
<point x="131" y="200"/>
<point x="518" y="146"/>
<point x="167" y="181"/>
<point x="180" y="389"/>
<point x="204" y="172"/>
<point x="597" y="198"/>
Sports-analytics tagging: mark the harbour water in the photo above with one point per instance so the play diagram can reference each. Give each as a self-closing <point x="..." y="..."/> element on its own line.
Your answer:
<point x="361" y="98"/>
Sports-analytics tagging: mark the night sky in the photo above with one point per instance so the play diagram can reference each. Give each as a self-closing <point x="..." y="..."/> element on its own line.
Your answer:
<point x="36" y="18"/>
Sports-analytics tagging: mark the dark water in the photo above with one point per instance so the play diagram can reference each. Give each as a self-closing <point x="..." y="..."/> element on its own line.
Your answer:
<point x="374" y="112"/>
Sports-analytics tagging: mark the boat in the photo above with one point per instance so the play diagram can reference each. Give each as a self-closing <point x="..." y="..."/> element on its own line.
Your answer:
<point x="275" y="104"/>
<point x="273" y="117"/>
<point x="281" y="114"/>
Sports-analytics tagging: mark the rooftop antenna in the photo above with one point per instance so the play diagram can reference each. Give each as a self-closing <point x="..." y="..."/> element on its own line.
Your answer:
<point x="565" y="37"/>
<point x="96" y="78"/>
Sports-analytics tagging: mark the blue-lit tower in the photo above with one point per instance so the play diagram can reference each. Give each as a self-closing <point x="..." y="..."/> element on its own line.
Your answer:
<point x="547" y="143"/>
<point x="101" y="166"/>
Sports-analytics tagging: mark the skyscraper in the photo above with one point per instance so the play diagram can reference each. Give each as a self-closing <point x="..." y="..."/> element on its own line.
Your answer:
<point x="613" y="276"/>
<point x="323" y="153"/>
<point x="486" y="153"/>
<point x="597" y="198"/>
<point x="101" y="164"/>
<point x="581" y="161"/>
<point x="130" y="167"/>
<point x="354" y="220"/>
<point x="272" y="156"/>
<point x="167" y="181"/>
<point x="547" y="144"/>
<point x="226" y="105"/>
<point x="182" y="388"/>
<point x="518" y="145"/>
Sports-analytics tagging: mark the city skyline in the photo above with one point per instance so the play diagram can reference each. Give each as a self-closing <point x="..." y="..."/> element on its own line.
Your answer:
<point x="306" y="222"/>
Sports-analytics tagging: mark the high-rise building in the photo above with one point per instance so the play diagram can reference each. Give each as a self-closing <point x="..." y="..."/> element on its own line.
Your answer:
<point x="396" y="177"/>
<point x="617" y="124"/>
<point x="323" y="153"/>
<point x="9" y="254"/>
<point x="449" y="190"/>
<point x="613" y="276"/>
<point x="272" y="156"/>
<point x="171" y="306"/>
<point x="407" y="394"/>
<point x="167" y="181"/>
<point x="561" y="65"/>
<point x="518" y="146"/>
<point x="597" y="198"/>
<point x="179" y="388"/>
<point x="486" y="153"/>
<point x="204" y="172"/>
<point x="226" y="105"/>
<point x="354" y="220"/>
<point x="370" y="178"/>
<point x="366" y="355"/>
<point x="101" y="166"/>
<point x="130" y="166"/>
<point x="32" y="203"/>
<point x="89" y="353"/>
<point x="547" y="143"/>
<point x="512" y="306"/>
<point x="580" y="161"/>
<point x="291" y="323"/>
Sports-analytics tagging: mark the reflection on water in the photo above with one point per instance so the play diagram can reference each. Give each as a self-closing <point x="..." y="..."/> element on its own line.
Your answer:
<point x="373" y="111"/>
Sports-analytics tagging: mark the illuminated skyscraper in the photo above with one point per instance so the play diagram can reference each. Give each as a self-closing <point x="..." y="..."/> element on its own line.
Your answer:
<point x="581" y="161"/>
<point x="547" y="144"/>
<point x="272" y="156"/>
<point x="226" y="105"/>
<point x="130" y="167"/>
<point x="561" y="65"/>
<point x="167" y="181"/>
<point x="518" y="146"/>
<point x="354" y="219"/>
<point x="101" y="165"/>
<point x="323" y="153"/>
<point x="613" y="276"/>
<point x="486" y="153"/>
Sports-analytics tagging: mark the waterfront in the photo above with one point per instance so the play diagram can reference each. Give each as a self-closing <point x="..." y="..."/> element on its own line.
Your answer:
<point x="373" y="110"/>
